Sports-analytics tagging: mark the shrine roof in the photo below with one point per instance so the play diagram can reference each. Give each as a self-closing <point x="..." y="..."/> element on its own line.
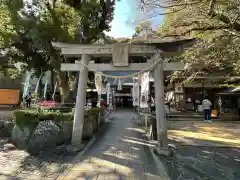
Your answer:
<point x="135" y="41"/>
<point x="140" y="46"/>
<point x="159" y="40"/>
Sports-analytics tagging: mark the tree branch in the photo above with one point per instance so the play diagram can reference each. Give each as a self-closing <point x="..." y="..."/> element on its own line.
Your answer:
<point x="211" y="6"/>
<point x="209" y="28"/>
<point x="159" y="5"/>
<point x="234" y="33"/>
<point x="177" y="5"/>
<point x="187" y="24"/>
<point x="164" y="13"/>
<point x="225" y="19"/>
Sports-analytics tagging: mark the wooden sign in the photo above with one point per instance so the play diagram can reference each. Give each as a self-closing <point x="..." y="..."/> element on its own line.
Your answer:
<point x="9" y="96"/>
<point x="120" y="54"/>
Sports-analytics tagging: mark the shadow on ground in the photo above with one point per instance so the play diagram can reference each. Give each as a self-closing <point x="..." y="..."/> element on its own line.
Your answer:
<point x="204" y="151"/>
<point x="51" y="163"/>
<point x="119" y="153"/>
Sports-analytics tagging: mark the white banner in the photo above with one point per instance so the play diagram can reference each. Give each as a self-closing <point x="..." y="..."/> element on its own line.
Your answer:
<point x="26" y="84"/>
<point x="98" y="83"/>
<point x="144" y="90"/>
<point x="108" y="90"/>
<point x="135" y="94"/>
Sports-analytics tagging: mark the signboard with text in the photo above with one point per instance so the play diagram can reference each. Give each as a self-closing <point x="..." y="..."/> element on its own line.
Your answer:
<point x="9" y="96"/>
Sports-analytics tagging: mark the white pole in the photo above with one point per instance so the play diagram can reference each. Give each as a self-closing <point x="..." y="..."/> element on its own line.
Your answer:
<point x="36" y="88"/>
<point x="160" y="105"/>
<point x="80" y="103"/>
<point x="54" y="92"/>
<point x="45" y="90"/>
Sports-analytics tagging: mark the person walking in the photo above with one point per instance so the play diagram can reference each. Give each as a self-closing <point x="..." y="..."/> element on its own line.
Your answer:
<point x="28" y="99"/>
<point x="207" y="109"/>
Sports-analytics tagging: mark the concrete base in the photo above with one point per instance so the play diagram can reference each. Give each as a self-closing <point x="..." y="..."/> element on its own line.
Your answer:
<point x="164" y="152"/>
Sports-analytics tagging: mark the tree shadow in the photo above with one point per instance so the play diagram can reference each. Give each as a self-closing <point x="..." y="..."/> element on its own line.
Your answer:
<point x="204" y="161"/>
<point x="3" y="176"/>
<point x="128" y="157"/>
<point x="53" y="162"/>
<point x="204" y="150"/>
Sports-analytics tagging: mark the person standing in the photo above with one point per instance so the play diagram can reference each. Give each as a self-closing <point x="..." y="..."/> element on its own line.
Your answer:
<point x="151" y="102"/>
<point x="207" y="109"/>
<point x="28" y="99"/>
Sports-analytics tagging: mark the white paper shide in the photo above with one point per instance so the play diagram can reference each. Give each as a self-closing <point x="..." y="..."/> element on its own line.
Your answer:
<point x="98" y="83"/>
<point x="135" y="94"/>
<point x="144" y="90"/>
<point x="108" y="90"/>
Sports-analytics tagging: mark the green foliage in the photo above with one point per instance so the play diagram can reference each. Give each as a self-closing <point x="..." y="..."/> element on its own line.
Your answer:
<point x="217" y="24"/>
<point x="94" y="112"/>
<point x="31" y="117"/>
<point x="123" y="40"/>
<point x="28" y="117"/>
<point x="143" y="26"/>
<point x="27" y="30"/>
<point x="95" y="17"/>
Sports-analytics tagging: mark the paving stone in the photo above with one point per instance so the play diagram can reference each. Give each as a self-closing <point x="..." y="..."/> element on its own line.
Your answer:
<point x="49" y="178"/>
<point x="79" y="174"/>
<point x="30" y="176"/>
<point x="110" y="176"/>
<point x="9" y="178"/>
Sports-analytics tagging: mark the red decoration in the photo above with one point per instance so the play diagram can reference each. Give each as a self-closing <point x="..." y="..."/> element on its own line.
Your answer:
<point x="48" y="103"/>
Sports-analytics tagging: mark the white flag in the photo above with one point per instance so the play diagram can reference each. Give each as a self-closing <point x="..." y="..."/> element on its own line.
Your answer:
<point x="108" y="90"/>
<point x="135" y="94"/>
<point x="98" y="83"/>
<point x="144" y="90"/>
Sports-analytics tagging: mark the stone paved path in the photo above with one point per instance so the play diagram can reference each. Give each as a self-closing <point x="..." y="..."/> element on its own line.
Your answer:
<point x="120" y="153"/>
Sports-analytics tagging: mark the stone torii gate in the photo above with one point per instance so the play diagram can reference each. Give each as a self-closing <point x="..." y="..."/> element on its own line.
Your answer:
<point x="120" y="53"/>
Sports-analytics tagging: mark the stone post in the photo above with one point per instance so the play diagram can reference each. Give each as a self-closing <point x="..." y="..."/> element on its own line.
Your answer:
<point x="80" y="103"/>
<point x="160" y="107"/>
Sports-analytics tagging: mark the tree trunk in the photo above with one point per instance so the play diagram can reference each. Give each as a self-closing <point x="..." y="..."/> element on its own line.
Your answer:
<point x="63" y="85"/>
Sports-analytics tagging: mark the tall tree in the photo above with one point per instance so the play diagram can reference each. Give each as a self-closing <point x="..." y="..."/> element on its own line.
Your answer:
<point x="31" y="27"/>
<point x="215" y="22"/>
<point x="95" y="17"/>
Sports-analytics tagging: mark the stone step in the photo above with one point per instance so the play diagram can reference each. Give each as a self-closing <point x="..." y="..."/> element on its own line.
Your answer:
<point x="184" y="116"/>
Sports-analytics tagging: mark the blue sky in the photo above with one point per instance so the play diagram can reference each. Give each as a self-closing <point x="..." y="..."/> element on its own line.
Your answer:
<point x="126" y="11"/>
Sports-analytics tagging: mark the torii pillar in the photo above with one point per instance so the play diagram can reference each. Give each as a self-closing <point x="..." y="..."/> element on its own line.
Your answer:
<point x="160" y="107"/>
<point x="80" y="103"/>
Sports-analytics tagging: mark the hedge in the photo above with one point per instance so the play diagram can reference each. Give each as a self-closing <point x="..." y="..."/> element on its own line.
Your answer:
<point x="26" y="117"/>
